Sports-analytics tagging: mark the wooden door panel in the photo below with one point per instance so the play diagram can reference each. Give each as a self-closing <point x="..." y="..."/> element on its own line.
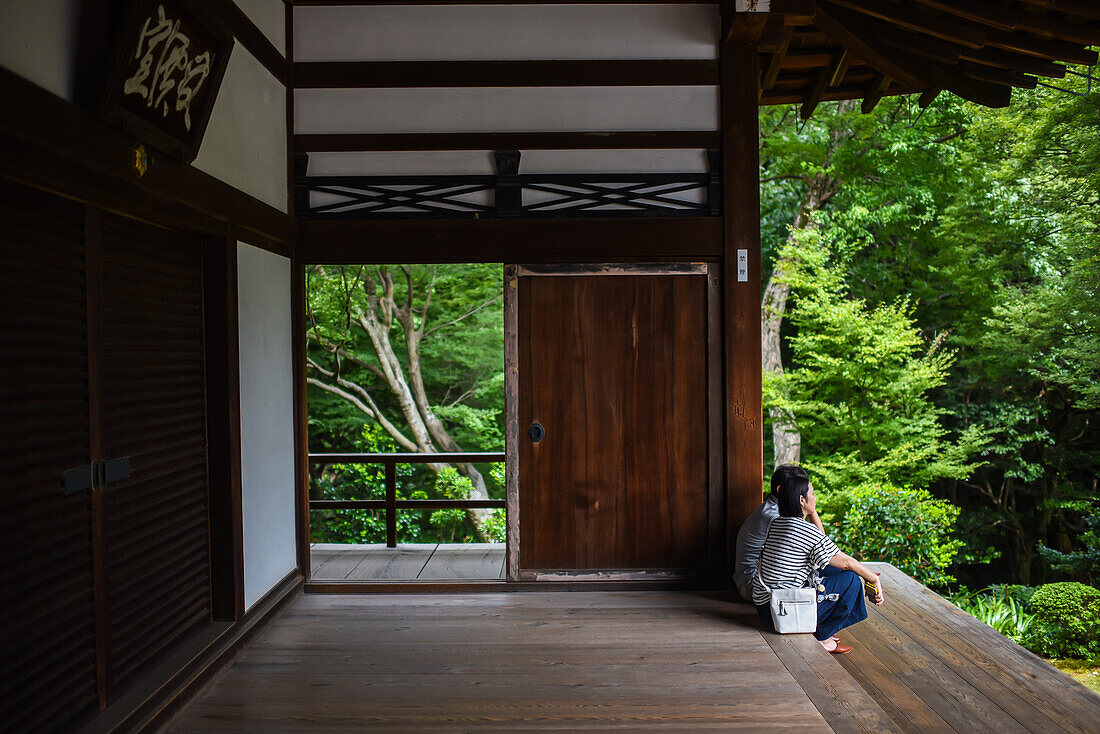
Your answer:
<point x="48" y="668"/>
<point x="614" y="367"/>
<point x="157" y="519"/>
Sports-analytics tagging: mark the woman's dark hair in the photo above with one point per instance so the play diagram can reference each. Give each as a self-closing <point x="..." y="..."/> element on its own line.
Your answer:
<point x="782" y="473"/>
<point x="790" y="491"/>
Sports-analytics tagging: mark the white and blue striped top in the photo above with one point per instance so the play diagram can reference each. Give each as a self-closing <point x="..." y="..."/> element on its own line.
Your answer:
<point x="792" y="551"/>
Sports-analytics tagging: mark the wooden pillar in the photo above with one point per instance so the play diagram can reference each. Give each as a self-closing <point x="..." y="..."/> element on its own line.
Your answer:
<point x="741" y="268"/>
<point x="223" y="427"/>
<point x="301" y="417"/>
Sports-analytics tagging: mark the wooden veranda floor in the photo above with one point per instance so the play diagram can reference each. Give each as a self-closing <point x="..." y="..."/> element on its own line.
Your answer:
<point x="628" y="661"/>
<point x="346" y="562"/>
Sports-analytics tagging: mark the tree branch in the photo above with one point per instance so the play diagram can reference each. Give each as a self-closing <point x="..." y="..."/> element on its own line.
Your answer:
<point x="466" y="315"/>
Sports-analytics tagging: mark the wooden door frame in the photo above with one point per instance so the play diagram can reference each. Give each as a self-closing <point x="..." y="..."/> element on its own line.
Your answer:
<point x="716" y="501"/>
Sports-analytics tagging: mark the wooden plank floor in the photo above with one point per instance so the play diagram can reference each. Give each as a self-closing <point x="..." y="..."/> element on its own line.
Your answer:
<point x="536" y="661"/>
<point x="630" y="661"/>
<point x="934" y="668"/>
<point x="347" y="562"/>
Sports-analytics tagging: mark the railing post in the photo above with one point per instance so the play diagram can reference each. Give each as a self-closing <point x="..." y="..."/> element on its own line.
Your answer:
<point x="391" y="504"/>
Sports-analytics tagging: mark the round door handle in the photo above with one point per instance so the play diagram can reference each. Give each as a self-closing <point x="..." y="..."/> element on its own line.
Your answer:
<point x="536" y="432"/>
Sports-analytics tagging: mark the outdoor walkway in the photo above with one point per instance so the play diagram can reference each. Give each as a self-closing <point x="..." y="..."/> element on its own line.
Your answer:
<point x="346" y="562"/>
<point x="628" y="661"/>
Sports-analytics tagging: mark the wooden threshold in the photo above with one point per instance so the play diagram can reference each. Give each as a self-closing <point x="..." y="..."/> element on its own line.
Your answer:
<point x="494" y="586"/>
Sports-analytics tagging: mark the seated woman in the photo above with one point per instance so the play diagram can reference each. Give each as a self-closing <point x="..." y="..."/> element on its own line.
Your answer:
<point x="793" y="550"/>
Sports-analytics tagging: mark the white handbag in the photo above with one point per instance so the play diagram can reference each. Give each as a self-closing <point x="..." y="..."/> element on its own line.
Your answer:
<point x="794" y="611"/>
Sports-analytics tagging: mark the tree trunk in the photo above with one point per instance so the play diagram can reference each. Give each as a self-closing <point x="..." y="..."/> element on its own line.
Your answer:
<point x="786" y="439"/>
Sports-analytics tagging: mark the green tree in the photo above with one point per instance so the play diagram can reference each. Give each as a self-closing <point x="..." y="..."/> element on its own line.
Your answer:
<point x="860" y="382"/>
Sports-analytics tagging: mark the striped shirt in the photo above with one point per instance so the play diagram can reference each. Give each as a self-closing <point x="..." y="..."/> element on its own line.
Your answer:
<point x="793" y="550"/>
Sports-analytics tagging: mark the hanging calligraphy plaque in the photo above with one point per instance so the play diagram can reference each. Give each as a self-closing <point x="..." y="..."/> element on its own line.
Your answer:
<point x="168" y="64"/>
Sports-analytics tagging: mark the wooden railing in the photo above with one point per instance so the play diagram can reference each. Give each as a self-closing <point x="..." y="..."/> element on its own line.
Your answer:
<point x="391" y="504"/>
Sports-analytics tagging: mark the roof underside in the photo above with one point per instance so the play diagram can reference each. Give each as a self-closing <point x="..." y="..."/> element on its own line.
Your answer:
<point x="816" y="50"/>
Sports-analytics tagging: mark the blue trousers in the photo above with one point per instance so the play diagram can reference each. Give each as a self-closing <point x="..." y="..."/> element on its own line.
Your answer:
<point x="832" y="616"/>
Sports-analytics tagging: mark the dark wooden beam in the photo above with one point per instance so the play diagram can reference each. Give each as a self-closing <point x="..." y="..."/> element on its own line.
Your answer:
<point x="741" y="282"/>
<point x="56" y="146"/>
<point x="1059" y="28"/>
<point x="586" y="73"/>
<point x="511" y="240"/>
<point x="1083" y="8"/>
<point x="825" y="79"/>
<point x="994" y="75"/>
<point x="1017" y="62"/>
<point x="918" y="21"/>
<point x="944" y="52"/>
<point x="856" y="33"/>
<point x="252" y="38"/>
<point x="1045" y="49"/>
<point x="874" y="94"/>
<point x="981" y="11"/>
<point x="775" y="63"/>
<point x="853" y="29"/>
<point x="657" y="140"/>
<point x="928" y="96"/>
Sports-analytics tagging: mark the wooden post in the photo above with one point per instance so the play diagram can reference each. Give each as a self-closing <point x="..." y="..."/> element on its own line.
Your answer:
<point x="740" y="80"/>
<point x="223" y="427"/>
<point x="391" y="504"/>
<point x="301" y="417"/>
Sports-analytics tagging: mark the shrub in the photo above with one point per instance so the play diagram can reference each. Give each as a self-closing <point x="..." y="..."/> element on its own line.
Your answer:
<point x="1067" y="616"/>
<point x="495" y="527"/>
<point x="1000" y="611"/>
<point x="451" y="485"/>
<point x="907" y="527"/>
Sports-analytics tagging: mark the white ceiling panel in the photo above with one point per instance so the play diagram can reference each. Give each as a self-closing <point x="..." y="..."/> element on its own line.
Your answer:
<point x="511" y="109"/>
<point x="521" y="31"/>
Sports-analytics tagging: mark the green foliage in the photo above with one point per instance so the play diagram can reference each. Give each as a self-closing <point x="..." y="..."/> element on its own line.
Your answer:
<point x="909" y="528"/>
<point x="860" y="382"/>
<point x="451" y="485"/>
<point x="460" y="310"/>
<point x="980" y="227"/>
<point x="1084" y="563"/>
<point x="1067" y="621"/>
<point x="1001" y="611"/>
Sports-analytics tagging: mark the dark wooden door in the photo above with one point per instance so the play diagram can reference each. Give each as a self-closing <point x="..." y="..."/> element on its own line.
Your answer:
<point x="101" y="358"/>
<point x="157" y="522"/>
<point x="614" y="367"/>
<point x="48" y="662"/>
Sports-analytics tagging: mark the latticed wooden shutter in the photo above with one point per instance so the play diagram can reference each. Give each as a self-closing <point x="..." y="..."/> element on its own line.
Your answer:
<point x="157" y="524"/>
<point x="48" y="662"/>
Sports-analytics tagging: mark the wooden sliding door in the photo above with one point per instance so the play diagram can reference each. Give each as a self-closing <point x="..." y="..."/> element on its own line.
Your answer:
<point x="157" y="524"/>
<point x="104" y="520"/>
<point x="614" y="473"/>
<point x="48" y="666"/>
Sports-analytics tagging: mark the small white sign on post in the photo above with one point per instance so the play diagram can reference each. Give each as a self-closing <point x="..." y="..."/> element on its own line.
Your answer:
<point x="742" y="266"/>
<point x="753" y="6"/>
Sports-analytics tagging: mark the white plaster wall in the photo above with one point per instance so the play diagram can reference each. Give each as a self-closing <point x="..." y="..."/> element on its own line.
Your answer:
<point x="270" y="17"/>
<point x="245" y="141"/>
<point x="267" y="419"/>
<point x="520" y="31"/>
<point x="38" y="40"/>
<point x="514" y="109"/>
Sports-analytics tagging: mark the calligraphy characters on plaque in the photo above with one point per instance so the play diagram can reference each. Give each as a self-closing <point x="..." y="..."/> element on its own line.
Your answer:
<point x="169" y="62"/>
